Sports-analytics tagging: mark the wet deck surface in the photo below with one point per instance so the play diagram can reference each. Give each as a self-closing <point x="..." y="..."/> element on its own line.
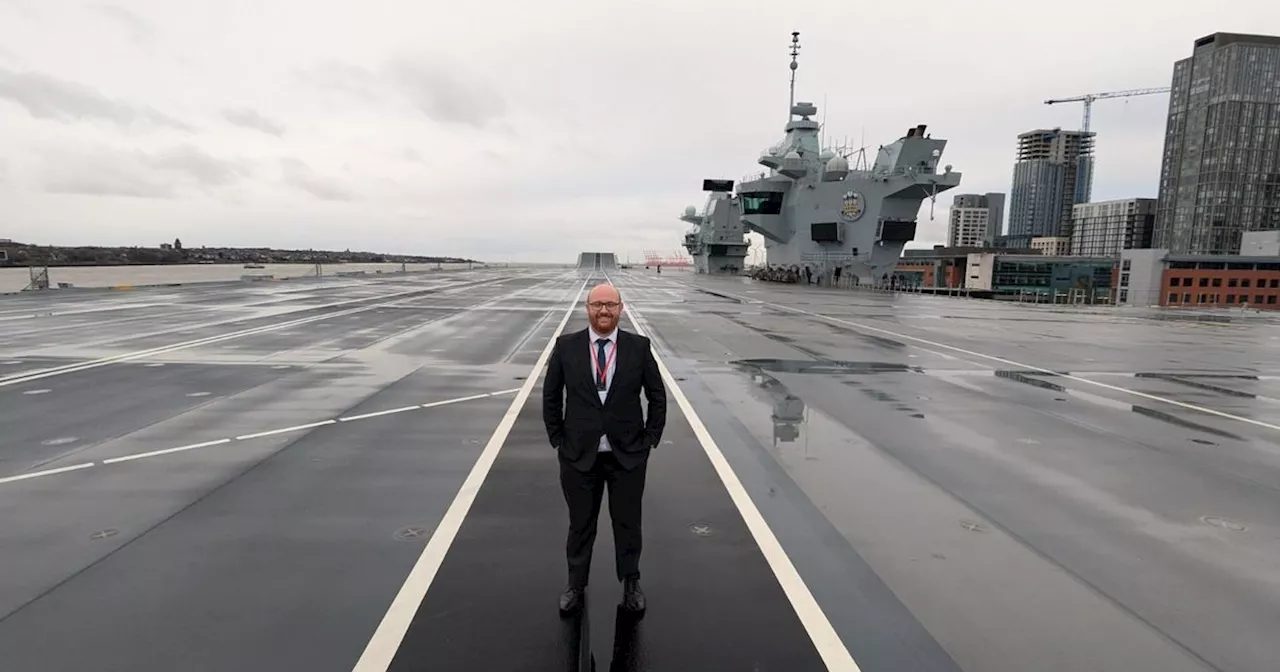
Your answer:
<point x="960" y="484"/>
<point x="713" y="601"/>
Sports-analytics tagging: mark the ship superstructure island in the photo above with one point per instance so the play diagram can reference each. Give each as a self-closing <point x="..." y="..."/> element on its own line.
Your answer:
<point x="717" y="242"/>
<point x="813" y="210"/>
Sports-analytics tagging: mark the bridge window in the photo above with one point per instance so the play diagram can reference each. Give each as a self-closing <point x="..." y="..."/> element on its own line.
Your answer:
<point x="893" y="231"/>
<point x="762" y="203"/>
<point x="824" y="232"/>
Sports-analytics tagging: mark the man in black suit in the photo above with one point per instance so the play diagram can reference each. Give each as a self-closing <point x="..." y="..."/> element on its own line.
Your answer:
<point x="591" y="407"/>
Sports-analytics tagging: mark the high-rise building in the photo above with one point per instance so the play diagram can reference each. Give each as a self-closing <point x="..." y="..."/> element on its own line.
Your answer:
<point x="1104" y="229"/>
<point x="1220" y="176"/>
<point x="1054" y="172"/>
<point x="975" y="220"/>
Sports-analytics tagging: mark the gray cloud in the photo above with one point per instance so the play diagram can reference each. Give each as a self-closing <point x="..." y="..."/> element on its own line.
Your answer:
<point x="251" y="119"/>
<point x="193" y="162"/>
<point x="445" y="96"/>
<point x="141" y="31"/>
<point x="342" y="78"/>
<point x="47" y="97"/>
<point x="597" y="142"/>
<point x="300" y="175"/>
<point x="116" y="172"/>
<point x="433" y="88"/>
<point x="108" y="184"/>
<point x="19" y="7"/>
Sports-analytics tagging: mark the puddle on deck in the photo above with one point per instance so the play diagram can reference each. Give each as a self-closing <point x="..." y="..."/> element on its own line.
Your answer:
<point x="789" y="413"/>
<point x="824" y="367"/>
<point x="1036" y="379"/>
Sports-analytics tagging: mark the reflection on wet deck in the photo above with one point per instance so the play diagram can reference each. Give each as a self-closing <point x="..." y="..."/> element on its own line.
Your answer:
<point x="1032" y="483"/>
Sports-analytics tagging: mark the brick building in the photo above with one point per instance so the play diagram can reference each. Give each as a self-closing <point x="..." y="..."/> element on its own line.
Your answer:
<point x="1154" y="277"/>
<point x="1209" y="280"/>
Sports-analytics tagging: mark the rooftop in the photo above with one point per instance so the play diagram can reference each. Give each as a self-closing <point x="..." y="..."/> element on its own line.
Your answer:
<point x="1040" y="132"/>
<point x="1223" y="39"/>
<point x="1222" y="258"/>
<point x="941" y="252"/>
<point x="1057" y="258"/>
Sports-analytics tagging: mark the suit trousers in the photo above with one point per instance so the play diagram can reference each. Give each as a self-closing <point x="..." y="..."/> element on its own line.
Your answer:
<point x="583" y="491"/>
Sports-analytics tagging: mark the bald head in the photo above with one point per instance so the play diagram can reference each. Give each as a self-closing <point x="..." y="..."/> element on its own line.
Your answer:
<point x="604" y="308"/>
<point x="603" y="292"/>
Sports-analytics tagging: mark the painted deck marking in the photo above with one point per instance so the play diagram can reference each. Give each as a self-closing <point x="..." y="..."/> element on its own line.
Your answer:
<point x="384" y="643"/>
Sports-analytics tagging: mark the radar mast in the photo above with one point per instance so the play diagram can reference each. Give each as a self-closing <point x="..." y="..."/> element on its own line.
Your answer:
<point x="814" y="210"/>
<point x="795" y="51"/>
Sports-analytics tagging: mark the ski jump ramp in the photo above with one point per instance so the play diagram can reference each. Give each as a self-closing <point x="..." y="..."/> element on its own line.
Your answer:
<point x="597" y="261"/>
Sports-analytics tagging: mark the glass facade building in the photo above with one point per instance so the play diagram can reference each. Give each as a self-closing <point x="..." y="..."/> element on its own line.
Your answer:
<point x="1220" y="171"/>
<point x="1105" y="229"/>
<point x="1054" y="171"/>
<point x="1052" y="275"/>
<point x="1051" y="279"/>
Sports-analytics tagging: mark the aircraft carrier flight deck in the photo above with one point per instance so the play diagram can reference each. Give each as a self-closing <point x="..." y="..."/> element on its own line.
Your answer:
<point x="352" y="474"/>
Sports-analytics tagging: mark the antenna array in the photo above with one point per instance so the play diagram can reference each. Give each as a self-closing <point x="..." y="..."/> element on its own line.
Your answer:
<point x="795" y="51"/>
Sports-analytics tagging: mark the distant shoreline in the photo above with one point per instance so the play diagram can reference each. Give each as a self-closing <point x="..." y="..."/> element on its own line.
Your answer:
<point x="24" y="255"/>
<point x="15" y="279"/>
<point x="95" y="264"/>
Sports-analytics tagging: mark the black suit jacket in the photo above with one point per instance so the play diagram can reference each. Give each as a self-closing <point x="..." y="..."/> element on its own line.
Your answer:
<point x="575" y="417"/>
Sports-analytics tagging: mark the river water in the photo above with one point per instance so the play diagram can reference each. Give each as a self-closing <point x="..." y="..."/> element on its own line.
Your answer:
<point x="15" y="279"/>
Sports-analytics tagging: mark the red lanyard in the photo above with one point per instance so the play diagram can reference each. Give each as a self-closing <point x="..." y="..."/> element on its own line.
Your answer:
<point x="602" y="377"/>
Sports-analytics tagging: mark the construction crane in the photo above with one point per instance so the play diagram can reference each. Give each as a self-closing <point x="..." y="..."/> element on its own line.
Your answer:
<point x="1088" y="99"/>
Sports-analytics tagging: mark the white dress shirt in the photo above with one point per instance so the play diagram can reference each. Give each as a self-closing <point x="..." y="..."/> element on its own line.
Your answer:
<point x="612" y="359"/>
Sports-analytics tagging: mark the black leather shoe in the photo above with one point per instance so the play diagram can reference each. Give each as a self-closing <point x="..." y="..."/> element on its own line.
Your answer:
<point x="632" y="596"/>
<point x="571" y="601"/>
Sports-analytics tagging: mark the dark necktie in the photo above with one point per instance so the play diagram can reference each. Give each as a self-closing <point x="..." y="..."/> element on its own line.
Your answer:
<point x="601" y="364"/>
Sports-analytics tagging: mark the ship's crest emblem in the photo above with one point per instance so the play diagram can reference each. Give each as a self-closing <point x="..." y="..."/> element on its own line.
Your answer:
<point x="852" y="207"/>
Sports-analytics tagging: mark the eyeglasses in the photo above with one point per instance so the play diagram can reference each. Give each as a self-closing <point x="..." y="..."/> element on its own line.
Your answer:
<point x="598" y="305"/>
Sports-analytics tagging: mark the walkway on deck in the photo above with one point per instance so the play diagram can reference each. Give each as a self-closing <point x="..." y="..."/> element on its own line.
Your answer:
<point x="713" y="601"/>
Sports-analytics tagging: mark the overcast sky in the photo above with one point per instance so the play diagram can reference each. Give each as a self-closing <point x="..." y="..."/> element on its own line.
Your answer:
<point x="517" y="130"/>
